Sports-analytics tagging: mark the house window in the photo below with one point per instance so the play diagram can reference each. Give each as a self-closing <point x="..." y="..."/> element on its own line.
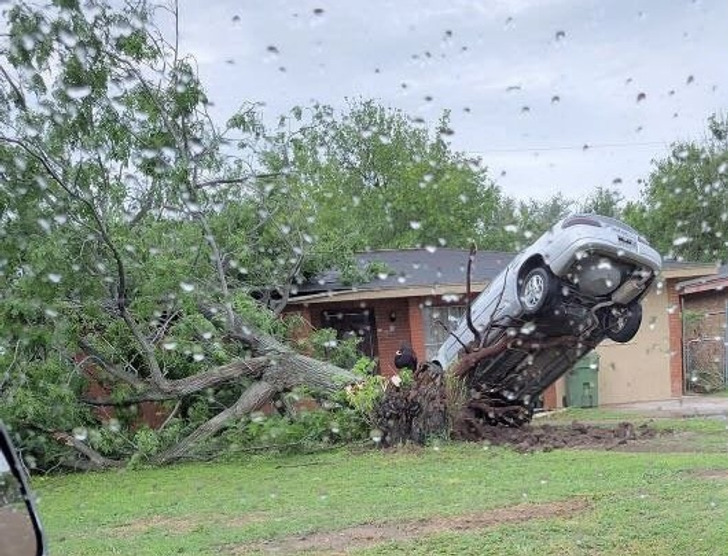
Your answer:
<point x="435" y="333"/>
<point x="353" y="322"/>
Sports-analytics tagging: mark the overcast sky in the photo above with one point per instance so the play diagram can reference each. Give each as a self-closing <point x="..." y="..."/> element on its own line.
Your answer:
<point x="529" y="82"/>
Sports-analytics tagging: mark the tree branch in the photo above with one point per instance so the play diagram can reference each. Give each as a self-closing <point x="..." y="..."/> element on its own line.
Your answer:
<point x="92" y="354"/>
<point x="234" y="181"/>
<point x="254" y="397"/>
<point x="468" y="312"/>
<point x="97" y="460"/>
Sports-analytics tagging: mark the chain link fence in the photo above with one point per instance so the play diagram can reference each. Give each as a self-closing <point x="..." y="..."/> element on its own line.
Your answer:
<point x="706" y="366"/>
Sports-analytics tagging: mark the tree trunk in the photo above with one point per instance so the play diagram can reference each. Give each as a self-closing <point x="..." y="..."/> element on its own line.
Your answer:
<point x="253" y="398"/>
<point x="415" y="412"/>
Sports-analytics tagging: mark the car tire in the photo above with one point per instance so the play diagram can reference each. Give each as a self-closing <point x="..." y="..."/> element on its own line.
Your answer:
<point x="535" y="290"/>
<point x="622" y="322"/>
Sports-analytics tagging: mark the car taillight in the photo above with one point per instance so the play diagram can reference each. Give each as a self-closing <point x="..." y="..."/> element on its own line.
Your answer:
<point x="581" y="220"/>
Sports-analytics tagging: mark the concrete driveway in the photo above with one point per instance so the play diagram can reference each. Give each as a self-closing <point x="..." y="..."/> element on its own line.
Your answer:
<point x="679" y="407"/>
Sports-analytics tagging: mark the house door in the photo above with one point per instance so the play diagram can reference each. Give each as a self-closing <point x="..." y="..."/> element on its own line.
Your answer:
<point x="357" y="322"/>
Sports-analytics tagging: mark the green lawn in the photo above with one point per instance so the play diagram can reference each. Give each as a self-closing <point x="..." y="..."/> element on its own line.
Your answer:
<point x="627" y="503"/>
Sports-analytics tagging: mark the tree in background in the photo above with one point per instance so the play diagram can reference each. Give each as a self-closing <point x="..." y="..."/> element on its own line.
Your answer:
<point x="683" y="209"/>
<point x="604" y="201"/>
<point x="524" y="221"/>
<point x="374" y="179"/>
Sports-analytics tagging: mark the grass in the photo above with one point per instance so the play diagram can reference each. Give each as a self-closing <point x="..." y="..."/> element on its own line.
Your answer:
<point x="639" y="503"/>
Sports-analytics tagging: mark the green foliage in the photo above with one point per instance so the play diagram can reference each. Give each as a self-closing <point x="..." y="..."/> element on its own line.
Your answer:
<point x="378" y="180"/>
<point x="326" y="346"/>
<point x="406" y="377"/>
<point x="101" y="205"/>
<point x="305" y="430"/>
<point x="604" y="201"/>
<point x="524" y="221"/>
<point x="365" y="395"/>
<point x="364" y="367"/>
<point x="683" y="208"/>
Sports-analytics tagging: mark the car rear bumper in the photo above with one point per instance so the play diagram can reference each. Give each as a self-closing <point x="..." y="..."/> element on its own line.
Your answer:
<point x="637" y="253"/>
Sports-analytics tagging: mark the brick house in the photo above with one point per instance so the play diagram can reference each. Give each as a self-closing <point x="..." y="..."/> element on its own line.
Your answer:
<point x="425" y="286"/>
<point x="704" y="304"/>
<point x="422" y="287"/>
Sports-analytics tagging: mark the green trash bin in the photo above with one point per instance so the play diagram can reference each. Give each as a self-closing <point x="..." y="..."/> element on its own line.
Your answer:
<point x="582" y="382"/>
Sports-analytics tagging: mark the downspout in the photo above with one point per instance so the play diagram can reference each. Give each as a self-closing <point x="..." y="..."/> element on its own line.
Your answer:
<point x="683" y="351"/>
<point x="725" y="345"/>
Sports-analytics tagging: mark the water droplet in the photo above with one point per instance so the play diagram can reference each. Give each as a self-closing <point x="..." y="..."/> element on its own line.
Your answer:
<point x="68" y="39"/>
<point x="560" y="35"/>
<point x="44" y="224"/>
<point x="555" y="99"/>
<point x="78" y="93"/>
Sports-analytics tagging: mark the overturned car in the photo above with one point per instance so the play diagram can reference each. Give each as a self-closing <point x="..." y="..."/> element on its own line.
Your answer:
<point x="579" y="283"/>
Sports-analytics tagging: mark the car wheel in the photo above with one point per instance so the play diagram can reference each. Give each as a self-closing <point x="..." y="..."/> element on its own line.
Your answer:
<point x="622" y="322"/>
<point x="535" y="290"/>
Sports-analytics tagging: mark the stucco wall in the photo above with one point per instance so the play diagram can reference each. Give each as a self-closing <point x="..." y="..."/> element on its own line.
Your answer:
<point x="640" y="369"/>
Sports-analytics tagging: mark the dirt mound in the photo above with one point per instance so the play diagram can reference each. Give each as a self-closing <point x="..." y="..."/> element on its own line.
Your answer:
<point x="550" y="437"/>
<point x="367" y="535"/>
<point x="709" y="473"/>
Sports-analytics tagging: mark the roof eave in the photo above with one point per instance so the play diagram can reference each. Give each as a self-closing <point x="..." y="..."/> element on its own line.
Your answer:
<point x="385" y="293"/>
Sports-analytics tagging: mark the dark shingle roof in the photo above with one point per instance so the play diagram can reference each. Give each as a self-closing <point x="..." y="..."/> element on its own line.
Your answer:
<point x="415" y="267"/>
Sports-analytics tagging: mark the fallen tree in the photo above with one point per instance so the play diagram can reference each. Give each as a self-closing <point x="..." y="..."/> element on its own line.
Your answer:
<point x="144" y="256"/>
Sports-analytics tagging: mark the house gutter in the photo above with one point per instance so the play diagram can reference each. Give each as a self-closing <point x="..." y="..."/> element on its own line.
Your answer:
<point x="384" y="293"/>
